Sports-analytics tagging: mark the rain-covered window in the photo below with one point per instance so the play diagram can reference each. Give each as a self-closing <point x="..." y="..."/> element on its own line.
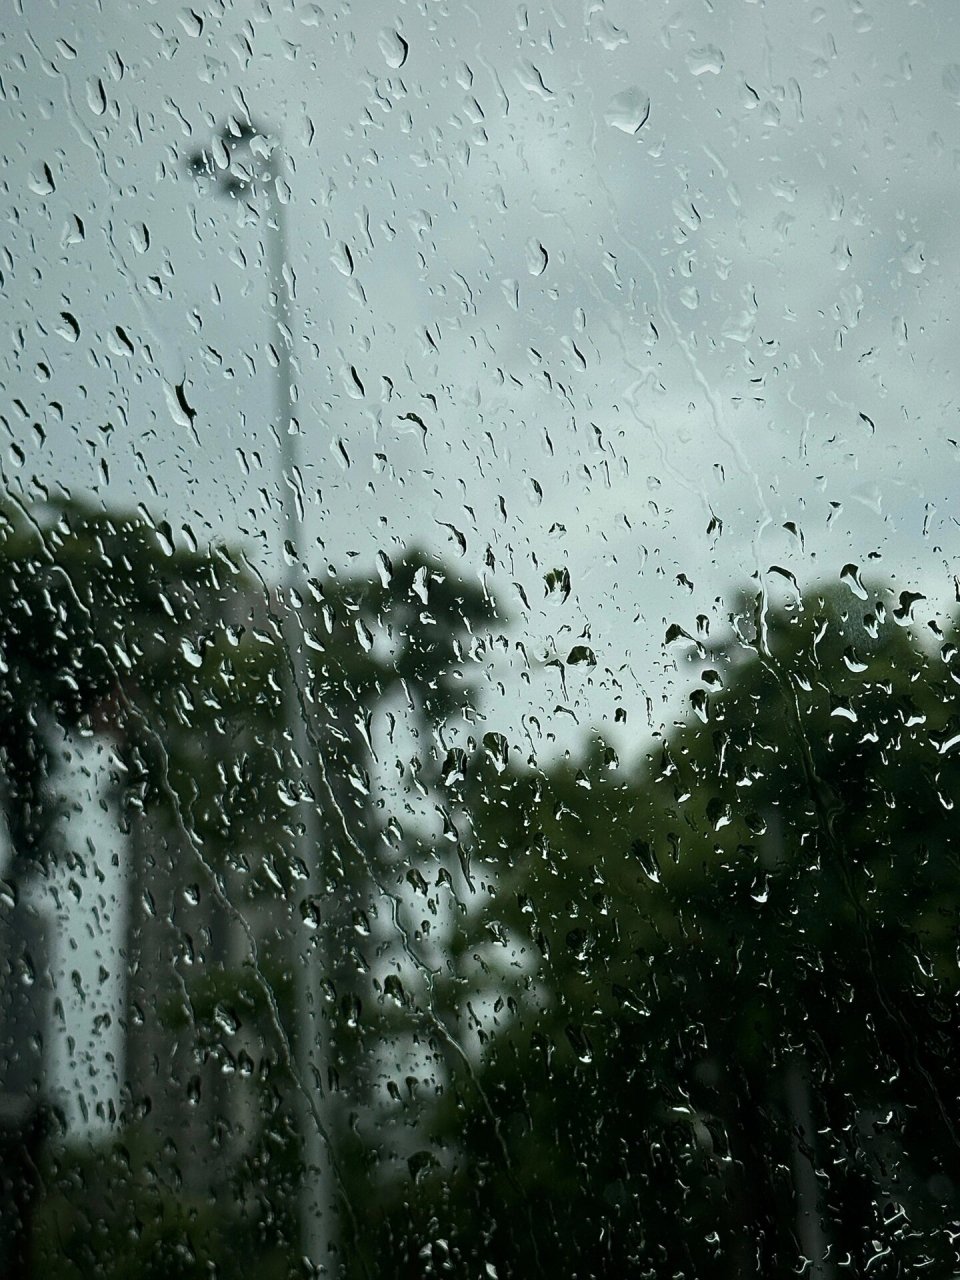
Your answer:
<point x="479" y="668"/>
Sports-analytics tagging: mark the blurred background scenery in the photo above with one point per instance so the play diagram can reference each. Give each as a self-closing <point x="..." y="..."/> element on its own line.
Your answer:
<point x="479" y="659"/>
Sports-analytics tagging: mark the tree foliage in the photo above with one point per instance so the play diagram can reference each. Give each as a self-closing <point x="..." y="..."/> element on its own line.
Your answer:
<point x="712" y="1001"/>
<point x="691" y="1017"/>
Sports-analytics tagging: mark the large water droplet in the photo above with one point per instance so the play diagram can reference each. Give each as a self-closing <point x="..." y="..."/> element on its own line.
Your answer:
<point x="393" y="47"/>
<point x="628" y="111"/>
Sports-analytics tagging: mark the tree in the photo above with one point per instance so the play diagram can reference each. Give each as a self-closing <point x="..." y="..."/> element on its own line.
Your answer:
<point x="718" y="1039"/>
<point x="207" y="786"/>
<point x="91" y="609"/>
<point x="806" y="924"/>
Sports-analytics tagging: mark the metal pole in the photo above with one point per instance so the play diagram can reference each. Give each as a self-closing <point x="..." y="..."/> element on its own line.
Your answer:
<point x="810" y="1223"/>
<point x="317" y="1189"/>
<point x="812" y="1227"/>
<point x="318" y="1207"/>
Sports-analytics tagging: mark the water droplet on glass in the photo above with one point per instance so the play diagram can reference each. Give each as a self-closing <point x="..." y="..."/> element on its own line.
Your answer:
<point x="393" y="47"/>
<point x="708" y="59"/>
<point x="850" y="574"/>
<point x="537" y="257"/>
<point x="628" y="111"/>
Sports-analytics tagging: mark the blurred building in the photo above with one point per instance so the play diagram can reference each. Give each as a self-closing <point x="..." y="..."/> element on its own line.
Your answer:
<point x="25" y="995"/>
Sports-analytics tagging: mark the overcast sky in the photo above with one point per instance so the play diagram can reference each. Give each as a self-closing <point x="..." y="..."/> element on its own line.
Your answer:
<point x="636" y="267"/>
<point x="657" y="279"/>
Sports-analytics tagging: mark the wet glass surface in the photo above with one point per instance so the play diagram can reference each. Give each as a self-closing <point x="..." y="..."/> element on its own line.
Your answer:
<point x="478" y="644"/>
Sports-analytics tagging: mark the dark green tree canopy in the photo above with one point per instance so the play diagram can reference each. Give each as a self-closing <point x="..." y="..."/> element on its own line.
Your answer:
<point x="724" y="985"/>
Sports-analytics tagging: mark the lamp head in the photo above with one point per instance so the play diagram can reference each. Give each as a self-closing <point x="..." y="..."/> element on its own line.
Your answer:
<point x="238" y="157"/>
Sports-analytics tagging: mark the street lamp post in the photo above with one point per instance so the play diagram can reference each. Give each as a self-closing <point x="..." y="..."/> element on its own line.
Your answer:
<point x="237" y="167"/>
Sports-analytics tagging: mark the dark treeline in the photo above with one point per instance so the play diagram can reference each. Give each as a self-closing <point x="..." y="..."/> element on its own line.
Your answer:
<point x="693" y="1017"/>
